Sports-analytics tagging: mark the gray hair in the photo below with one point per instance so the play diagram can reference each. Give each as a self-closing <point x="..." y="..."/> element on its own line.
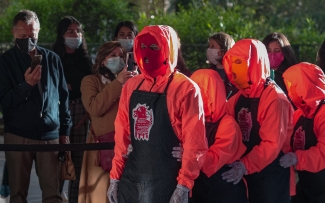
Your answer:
<point x="26" y="16"/>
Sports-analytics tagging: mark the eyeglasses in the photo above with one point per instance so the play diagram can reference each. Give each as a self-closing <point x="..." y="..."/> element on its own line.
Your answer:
<point x="78" y="32"/>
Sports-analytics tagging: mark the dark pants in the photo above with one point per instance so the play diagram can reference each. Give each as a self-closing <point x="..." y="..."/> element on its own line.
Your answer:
<point x="78" y="134"/>
<point x="20" y="165"/>
<point x="271" y="185"/>
<point x="5" y="189"/>
<point x="308" y="195"/>
<point x="216" y="190"/>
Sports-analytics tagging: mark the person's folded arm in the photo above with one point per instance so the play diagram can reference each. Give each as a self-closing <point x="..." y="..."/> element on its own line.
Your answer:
<point x="12" y="95"/>
<point x="275" y="121"/>
<point x="228" y="146"/>
<point x="312" y="160"/>
<point x="97" y="103"/>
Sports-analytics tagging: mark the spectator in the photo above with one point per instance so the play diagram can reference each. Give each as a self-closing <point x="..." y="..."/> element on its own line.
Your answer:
<point x="321" y="56"/>
<point x="181" y="65"/>
<point x="225" y="144"/>
<point x="100" y="95"/>
<point x="306" y="87"/>
<point x="35" y="109"/>
<point x="264" y="115"/>
<point x="71" y="46"/>
<point x="281" y="56"/>
<point x="219" y="44"/>
<point x="159" y="109"/>
<point x="125" y="32"/>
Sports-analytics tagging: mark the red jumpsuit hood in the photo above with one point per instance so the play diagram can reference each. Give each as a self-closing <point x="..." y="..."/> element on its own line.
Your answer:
<point x="254" y="53"/>
<point x="213" y="93"/>
<point x="167" y="40"/>
<point x="309" y="81"/>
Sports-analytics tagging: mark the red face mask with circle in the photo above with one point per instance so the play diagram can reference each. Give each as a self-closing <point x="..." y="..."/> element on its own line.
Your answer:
<point x="153" y="60"/>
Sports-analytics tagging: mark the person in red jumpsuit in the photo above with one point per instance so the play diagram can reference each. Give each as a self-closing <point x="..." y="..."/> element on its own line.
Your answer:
<point x="306" y="88"/>
<point x="225" y="144"/>
<point x="264" y="115"/>
<point x="158" y="110"/>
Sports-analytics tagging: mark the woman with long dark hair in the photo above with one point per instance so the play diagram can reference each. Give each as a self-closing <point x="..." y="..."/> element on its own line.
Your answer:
<point x="281" y="56"/>
<point x="71" y="46"/>
<point x="125" y="32"/>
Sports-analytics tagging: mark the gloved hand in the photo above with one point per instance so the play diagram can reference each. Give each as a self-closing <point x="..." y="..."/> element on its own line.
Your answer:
<point x="180" y="194"/>
<point x="129" y="150"/>
<point x="112" y="191"/>
<point x="289" y="159"/>
<point x="178" y="152"/>
<point x="235" y="174"/>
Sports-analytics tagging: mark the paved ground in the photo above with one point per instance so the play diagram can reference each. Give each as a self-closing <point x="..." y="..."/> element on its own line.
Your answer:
<point x="34" y="193"/>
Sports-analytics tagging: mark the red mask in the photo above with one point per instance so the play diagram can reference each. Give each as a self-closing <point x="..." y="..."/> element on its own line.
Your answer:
<point x="152" y="59"/>
<point x="275" y="59"/>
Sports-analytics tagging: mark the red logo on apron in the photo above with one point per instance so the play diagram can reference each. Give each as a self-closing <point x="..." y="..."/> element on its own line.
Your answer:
<point x="245" y="123"/>
<point x="299" y="139"/>
<point x="143" y="121"/>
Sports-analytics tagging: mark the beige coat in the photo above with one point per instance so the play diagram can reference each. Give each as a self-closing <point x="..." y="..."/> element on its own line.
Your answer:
<point x="101" y="102"/>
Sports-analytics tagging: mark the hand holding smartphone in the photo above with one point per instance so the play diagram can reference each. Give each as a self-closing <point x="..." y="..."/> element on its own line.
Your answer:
<point x="36" y="60"/>
<point x="130" y="61"/>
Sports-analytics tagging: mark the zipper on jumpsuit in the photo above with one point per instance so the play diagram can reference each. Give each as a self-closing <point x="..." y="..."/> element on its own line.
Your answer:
<point x="154" y="82"/>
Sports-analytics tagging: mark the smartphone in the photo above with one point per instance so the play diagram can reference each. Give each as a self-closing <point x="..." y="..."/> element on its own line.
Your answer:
<point x="36" y="61"/>
<point x="130" y="61"/>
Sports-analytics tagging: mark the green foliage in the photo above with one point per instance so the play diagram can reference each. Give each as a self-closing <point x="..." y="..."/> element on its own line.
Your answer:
<point x="195" y="24"/>
<point x="301" y="22"/>
<point x="99" y="17"/>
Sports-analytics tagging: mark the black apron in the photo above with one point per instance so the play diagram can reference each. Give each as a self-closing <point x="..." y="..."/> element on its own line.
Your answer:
<point x="270" y="185"/>
<point x="214" y="189"/>
<point x="311" y="186"/>
<point x="151" y="171"/>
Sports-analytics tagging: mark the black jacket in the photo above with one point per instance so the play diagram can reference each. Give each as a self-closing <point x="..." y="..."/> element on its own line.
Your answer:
<point x="27" y="112"/>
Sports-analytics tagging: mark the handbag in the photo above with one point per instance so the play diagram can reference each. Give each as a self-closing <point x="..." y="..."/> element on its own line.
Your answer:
<point x="104" y="157"/>
<point x="67" y="171"/>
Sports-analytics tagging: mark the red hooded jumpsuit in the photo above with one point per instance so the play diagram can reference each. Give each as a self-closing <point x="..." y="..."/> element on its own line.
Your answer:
<point x="156" y="114"/>
<point x="225" y="144"/>
<point x="264" y="115"/>
<point x="307" y="81"/>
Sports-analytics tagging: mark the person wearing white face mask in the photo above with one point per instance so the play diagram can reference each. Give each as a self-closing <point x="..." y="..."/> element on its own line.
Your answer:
<point x="125" y="32"/>
<point x="70" y="45"/>
<point x="100" y="95"/>
<point x="115" y="64"/>
<point x="219" y="44"/>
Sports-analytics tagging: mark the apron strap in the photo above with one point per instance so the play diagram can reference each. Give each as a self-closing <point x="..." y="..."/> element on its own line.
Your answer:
<point x="319" y="105"/>
<point x="169" y="81"/>
<point x="171" y="77"/>
<point x="140" y="84"/>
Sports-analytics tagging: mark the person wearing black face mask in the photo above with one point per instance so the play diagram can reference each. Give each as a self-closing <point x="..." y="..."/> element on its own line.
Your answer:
<point x="26" y="44"/>
<point x="35" y="109"/>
